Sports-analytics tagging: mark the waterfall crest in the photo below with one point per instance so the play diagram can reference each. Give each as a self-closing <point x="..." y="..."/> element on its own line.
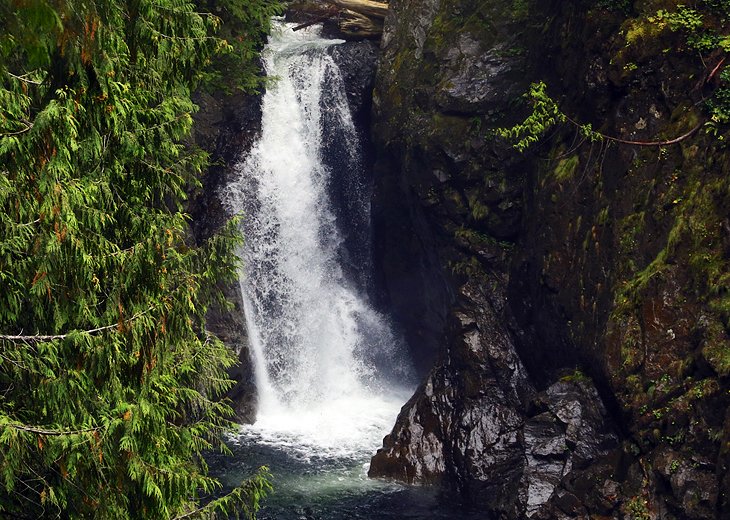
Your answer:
<point x="315" y="339"/>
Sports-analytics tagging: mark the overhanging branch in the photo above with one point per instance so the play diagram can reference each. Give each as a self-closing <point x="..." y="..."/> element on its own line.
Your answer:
<point x="38" y="338"/>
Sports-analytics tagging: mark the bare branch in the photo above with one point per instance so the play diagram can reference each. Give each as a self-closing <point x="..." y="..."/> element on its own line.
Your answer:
<point x="38" y="338"/>
<point x="43" y="431"/>
<point x="640" y="143"/>
<point x="24" y="80"/>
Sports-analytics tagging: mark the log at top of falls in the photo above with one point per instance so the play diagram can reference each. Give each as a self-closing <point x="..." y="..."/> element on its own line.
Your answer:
<point x="369" y="8"/>
<point x="354" y="19"/>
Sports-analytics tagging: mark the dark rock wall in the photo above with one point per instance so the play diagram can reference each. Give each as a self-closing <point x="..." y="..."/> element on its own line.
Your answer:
<point x="445" y="197"/>
<point x="225" y="126"/>
<point x="613" y="258"/>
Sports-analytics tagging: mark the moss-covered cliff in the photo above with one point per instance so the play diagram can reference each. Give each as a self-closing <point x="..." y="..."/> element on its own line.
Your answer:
<point x="614" y="258"/>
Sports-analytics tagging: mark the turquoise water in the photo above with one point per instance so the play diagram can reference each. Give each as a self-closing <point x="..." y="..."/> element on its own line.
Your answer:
<point x="314" y="487"/>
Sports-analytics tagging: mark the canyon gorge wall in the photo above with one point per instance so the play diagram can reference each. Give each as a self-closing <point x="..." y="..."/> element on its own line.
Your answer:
<point x="600" y="267"/>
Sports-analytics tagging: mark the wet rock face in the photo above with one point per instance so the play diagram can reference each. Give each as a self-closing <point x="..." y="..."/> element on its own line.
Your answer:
<point x="351" y="181"/>
<point x="476" y="78"/>
<point x="442" y="190"/>
<point x="226" y="126"/>
<point x="477" y="423"/>
<point x="357" y="62"/>
<point x="230" y="327"/>
<point x="612" y="256"/>
<point x="693" y="484"/>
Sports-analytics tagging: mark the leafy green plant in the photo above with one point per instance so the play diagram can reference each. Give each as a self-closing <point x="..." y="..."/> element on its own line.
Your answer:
<point x="692" y="23"/>
<point x="705" y="33"/>
<point x="545" y="115"/>
<point x="674" y="466"/>
<point x="719" y="103"/>
<point x="637" y="508"/>
<point x="577" y="376"/>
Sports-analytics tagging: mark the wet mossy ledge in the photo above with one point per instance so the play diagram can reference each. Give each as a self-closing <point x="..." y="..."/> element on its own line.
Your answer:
<point x="610" y="256"/>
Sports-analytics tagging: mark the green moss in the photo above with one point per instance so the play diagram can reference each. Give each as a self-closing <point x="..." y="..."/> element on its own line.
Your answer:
<point x="631" y="228"/>
<point x="566" y="167"/>
<point x="478" y="210"/>
<point x="454" y="196"/>
<point x="520" y="9"/>
<point x="716" y="350"/>
<point x="637" y="508"/>
<point x="633" y="382"/>
<point x="602" y="217"/>
<point x="631" y="351"/>
<point x="631" y="292"/>
<point x="469" y="267"/>
<point x="576" y="376"/>
<point x="451" y="129"/>
<point x="639" y="30"/>
<point x="475" y="238"/>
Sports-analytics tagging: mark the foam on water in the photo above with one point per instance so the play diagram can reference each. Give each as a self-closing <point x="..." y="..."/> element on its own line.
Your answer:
<point x="346" y="429"/>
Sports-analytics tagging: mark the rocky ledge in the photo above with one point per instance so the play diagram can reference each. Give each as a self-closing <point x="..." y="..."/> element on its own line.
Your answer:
<point x="477" y="423"/>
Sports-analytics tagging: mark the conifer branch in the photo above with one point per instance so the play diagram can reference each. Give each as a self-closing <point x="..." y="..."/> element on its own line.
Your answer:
<point x="178" y="38"/>
<point x="27" y="128"/>
<point x="25" y="224"/>
<point x="192" y="513"/>
<point x="165" y="123"/>
<point x="183" y="12"/>
<point x="41" y="337"/>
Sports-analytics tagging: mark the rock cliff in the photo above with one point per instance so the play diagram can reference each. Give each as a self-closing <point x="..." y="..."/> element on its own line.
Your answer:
<point x="579" y="287"/>
<point x="225" y="126"/>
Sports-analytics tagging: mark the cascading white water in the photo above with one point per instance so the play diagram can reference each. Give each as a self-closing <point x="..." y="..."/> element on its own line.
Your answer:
<point x="315" y="339"/>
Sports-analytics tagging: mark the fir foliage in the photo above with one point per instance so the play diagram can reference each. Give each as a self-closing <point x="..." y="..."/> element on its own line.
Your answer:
<point x="108" y="378"/>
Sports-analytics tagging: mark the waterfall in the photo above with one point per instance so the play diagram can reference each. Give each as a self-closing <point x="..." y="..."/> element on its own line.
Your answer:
<point x="317" y="343"/>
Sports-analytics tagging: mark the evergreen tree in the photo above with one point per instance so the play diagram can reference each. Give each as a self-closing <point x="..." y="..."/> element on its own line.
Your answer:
<point x="108" y="377"/>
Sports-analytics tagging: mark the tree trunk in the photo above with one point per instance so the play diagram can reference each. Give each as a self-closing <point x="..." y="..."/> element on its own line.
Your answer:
<point x="376" y="10"/>
<point x="359" y="26"/>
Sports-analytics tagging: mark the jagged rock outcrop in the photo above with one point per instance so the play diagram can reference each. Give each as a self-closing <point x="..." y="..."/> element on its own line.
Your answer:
<point x="617" y="254"/>
<point x="469" y="409"/>
<point x="476" y="423"/>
